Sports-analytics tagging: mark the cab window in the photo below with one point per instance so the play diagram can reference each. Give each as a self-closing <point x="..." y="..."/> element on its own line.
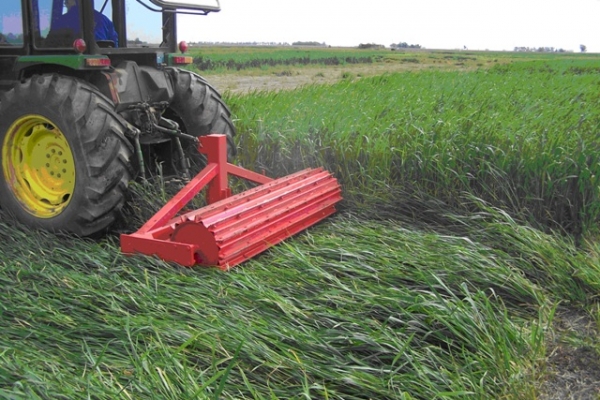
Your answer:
<point x="11" y="24"/>
<point x="144" y="26"/>
<point x="55" y="27"/>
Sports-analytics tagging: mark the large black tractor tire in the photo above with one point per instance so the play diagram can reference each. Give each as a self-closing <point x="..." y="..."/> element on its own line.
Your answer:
<point x="200" y="110"/>
<point x="65" y="159"/>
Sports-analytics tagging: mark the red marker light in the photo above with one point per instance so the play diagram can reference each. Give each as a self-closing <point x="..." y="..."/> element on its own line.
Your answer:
<point x="97" y="62"/>
<point x="183" y="46"/>
<point x="79" y="45"/>
<point x="179" y="60"/>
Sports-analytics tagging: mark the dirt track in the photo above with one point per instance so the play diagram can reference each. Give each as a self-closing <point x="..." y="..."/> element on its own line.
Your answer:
<point x="573" y="366"/>
<point x="287" y="79"/>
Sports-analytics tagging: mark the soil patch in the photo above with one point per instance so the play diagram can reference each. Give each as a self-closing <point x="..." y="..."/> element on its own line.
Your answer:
<point x="573" y="364"/>
<point x="289" y="79"/>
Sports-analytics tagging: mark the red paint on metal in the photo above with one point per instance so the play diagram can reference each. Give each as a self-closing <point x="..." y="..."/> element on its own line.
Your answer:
<point x="79" y="45"/>
<point x="233" y="229"/>
<point x="183" y="46"/>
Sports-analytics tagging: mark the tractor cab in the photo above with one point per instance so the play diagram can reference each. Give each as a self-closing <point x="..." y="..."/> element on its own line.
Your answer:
<point x="144" y="31"/>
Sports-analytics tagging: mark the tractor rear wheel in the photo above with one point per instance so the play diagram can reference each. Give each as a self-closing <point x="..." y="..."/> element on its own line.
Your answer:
<point x="65" y="159"/>
<point x="200" y="109"/>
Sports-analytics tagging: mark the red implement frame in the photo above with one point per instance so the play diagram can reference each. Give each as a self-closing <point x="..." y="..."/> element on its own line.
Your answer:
<point x="233" y="229"/>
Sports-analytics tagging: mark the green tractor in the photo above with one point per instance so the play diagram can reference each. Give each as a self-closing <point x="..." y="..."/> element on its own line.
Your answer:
<point x="92" y="93"/>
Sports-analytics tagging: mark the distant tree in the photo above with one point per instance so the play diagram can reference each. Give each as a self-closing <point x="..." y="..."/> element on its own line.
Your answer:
<point x="583" y="48"/>
<point x="136" y="42"/>
<point x="371" y="46"/>
<point x="404" y="45"/>
<point x="539" y="49"/>
<point x="309" y="44"/>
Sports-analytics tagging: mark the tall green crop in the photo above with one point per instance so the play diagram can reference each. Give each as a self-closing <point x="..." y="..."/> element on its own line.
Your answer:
<point x="523" y="138"/>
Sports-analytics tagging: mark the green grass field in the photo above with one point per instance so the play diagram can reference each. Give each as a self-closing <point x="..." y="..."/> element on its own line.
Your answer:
<point x="209" y="60"/>
<point x="470" y="216"/>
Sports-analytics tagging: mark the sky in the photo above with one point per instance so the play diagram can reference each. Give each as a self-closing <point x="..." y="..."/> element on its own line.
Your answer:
<point x="433" y="24"/>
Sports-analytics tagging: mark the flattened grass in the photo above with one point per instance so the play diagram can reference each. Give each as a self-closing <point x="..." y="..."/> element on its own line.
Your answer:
<point x="145" y="329"/>
<point x="352" y="309"/>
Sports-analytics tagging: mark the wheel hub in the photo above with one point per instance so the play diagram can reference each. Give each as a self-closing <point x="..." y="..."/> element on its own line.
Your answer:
<point x="38" y="166"/>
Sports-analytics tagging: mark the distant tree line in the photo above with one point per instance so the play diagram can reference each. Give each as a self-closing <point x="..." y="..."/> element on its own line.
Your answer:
<point x="309" y="44"/>
<point x="136" y="42"/>
<point x="238" y="44"/>
<point x="11" y="38"/>
<point x="540" y="49"/>
<point x="371" y="46"/>
<point x="404" y="45"/>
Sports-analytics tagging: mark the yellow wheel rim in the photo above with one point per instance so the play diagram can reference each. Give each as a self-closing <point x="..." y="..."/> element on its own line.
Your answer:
<point x="38" y="166"/>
